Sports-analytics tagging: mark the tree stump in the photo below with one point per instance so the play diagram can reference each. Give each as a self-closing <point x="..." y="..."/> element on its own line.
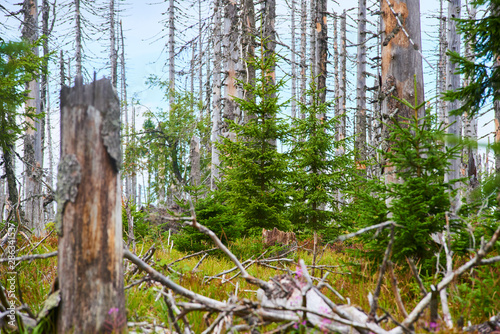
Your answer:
<point x="89" y="211"/>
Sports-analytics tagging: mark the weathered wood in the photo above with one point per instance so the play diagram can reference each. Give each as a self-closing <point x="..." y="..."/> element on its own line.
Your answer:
<point x="322" y="49"/>
<point x="231" y="110"/>
<point x="216" y="107"/>
<point x="33" y="138"/>
<point x="401" y="64"/>
<point x="400" y="59"/>
<point x="89" y="211"/>
<point x="453" y="83"/>
<point x="361" y="83"/>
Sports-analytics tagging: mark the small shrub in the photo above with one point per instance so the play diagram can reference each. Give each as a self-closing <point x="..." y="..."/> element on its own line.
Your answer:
<point x="215" y="215"/>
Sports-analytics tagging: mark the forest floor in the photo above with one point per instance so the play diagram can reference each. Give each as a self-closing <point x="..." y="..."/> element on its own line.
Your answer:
<point x="475" y="296"/>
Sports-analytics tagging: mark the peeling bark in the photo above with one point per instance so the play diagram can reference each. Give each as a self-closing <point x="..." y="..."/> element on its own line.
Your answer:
<point x="90" y="248"/>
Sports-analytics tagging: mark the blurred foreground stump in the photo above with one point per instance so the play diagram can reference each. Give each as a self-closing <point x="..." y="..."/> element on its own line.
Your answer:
<point x="89" y="211"/>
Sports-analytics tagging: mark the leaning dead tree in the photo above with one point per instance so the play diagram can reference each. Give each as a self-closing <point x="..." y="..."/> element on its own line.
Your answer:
<point x="89" y="210"/>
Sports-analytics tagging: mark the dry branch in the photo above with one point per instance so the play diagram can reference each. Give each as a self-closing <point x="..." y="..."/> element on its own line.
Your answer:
<point x="31" y="257"/>
<point x="476" y="261"/>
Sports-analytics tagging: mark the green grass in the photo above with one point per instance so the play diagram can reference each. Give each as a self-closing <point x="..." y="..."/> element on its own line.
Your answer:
<point x="475" y="297"/>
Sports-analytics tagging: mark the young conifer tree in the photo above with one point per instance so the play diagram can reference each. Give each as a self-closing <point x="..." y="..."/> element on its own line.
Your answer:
<point x="421" y="198"/>
<point x="253" y="168"/>
<point x="317" y="171"/>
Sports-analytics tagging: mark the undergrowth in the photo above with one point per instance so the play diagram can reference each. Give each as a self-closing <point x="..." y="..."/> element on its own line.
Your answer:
<point x="474" y="296"/>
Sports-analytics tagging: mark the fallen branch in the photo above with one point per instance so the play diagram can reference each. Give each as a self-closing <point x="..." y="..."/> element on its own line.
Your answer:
<point x="155" y="275"/>
<point x="192" y="255"/>
<point x="30" y="257"/>
<point x="374" y="303"/>
<point x="476" y="261"/>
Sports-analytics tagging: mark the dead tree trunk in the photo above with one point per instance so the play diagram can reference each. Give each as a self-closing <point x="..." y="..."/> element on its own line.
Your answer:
<point x="216" y="115"/>
<point x="361" y="83"/>
<point x="112" y="44"/>
<point x="322" y="48"/>
<point x="470" y="126"/>
<point x="342" y="79"/>
<point x="303" y="52"/>
<point x="336" y="70"/>
<point x="124" y="107"/>
<point x="33" y="139"/>
<point x="453" y="83"/>
<point x="294" y="65"/>
<point x="312" y="42"/>
<point x="89" y="211"/>
<point x="194" y="157"/>
<point x="441" y="72"/>
<point x="78" y="39"/>
<point x="248" y="47"/>
<point x="230" y="41"/>
<point x="401" y="61"/>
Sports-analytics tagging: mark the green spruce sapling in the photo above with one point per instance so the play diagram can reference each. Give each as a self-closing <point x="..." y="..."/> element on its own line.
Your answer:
<point x="252" y="167"/>
<point x="317" y="172"/>
<point x="421" y="196"/>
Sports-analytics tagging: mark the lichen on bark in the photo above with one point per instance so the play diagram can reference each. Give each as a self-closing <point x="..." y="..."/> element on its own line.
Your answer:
<point x="68" y="178"/>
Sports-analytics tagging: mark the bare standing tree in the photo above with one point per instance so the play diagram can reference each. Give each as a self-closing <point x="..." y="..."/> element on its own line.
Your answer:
<point x="112" y="44"/>
<point x="361" y="83"/>
<point x="342" y="79"/>
<point x="217" y="84"/>
<point x="470" y="124"/>
<point x="453" y="83"/>
<point x="401" y="62"/>
<point x="322" y="48"/>
<point x="293" y="64"/>
<point x="78" y="38"/>
<point x="231" y="57"/>
<point x="303" y="51"/>
<point x="33" y="140"/>
<point x="248" y="48"/>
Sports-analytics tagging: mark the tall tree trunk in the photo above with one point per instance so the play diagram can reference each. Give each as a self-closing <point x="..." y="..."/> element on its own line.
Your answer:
<point x="200" y="58"/>
<point x="303" y="52"/>
<point x="171" y="50"/>
<point x="336" y="72"/>
<point x="322" y="48"/>
<point x="193" y="69"/>
<point x="453" y="83"/>
<point x="441" y="72"/>
<point x="124" y="109"/>
<point x="248" y="46"/>
<point x="343" y="79"/>
<point x="78" y="39"/>
<point x="230" y="42"/>
<point x="470" y="126"/>
<point x="33" y="139"/>
<point x="133" y="173"/>
<point x="10" y="174"/>
<point x="294" y="65"/>
<point x="45" y="107"/>
<point x="112" y="44"/>
<point x="400" y="63"/>
<point x="269" y="34"/>
<point x="194" y="157"/>
<point x="361" y="83"/>
<point x="89" y="211"/>
<point x="217" y="114"/>
<point x="313" y="38"/>
<point x="62" y="74"/>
